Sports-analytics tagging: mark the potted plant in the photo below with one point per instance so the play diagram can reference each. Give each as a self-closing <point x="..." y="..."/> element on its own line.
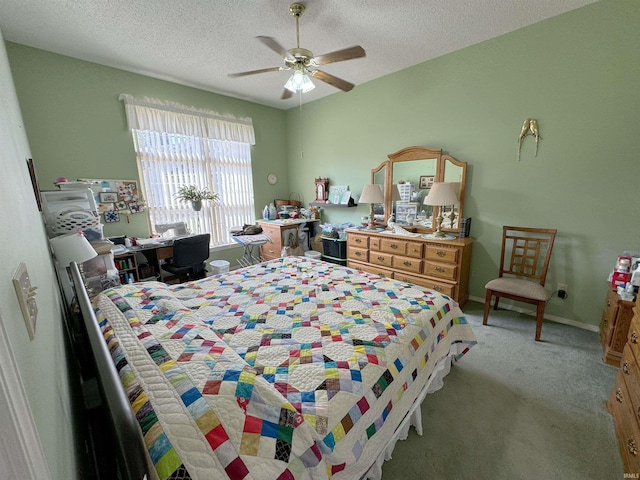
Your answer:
<point x="191" y="193"/>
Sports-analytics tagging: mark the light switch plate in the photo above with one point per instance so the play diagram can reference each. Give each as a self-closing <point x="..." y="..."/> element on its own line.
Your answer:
<point x="26" y="298"/>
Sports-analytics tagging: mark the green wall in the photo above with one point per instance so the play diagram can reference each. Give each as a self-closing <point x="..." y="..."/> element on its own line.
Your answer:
<point x="77" y="127"/>
<point x="578" y="74"/>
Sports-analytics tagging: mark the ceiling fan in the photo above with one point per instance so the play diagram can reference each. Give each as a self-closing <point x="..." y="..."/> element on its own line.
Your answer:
<point x="303" y="63"/>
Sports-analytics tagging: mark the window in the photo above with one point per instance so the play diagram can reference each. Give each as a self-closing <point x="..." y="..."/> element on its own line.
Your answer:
<point x="177" y="146"/>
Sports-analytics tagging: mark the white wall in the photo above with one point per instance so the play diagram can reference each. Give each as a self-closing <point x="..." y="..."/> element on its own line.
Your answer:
<point x="42" y="362"/>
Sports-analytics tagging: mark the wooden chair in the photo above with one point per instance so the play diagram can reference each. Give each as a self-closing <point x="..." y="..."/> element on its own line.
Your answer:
<point x="524" y="259"/>
<point x="189" y="257"/>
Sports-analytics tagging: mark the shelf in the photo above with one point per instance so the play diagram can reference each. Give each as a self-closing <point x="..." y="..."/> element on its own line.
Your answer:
<point x="332" y="205"/>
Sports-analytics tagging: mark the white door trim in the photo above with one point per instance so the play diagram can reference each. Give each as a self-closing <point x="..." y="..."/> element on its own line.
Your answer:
<point x="20" y="448"/>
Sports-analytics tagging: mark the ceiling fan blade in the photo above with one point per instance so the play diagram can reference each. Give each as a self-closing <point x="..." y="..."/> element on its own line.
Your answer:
<point x="275" y="46"/>
<point x="332" y="80"/>
<point x="286" y="94"/>
<point x="340" y="55"/>
<point x="253" y="72"/>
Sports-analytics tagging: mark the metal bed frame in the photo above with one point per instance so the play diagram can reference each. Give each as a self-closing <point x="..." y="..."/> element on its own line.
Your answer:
<point x="128" y="445"/>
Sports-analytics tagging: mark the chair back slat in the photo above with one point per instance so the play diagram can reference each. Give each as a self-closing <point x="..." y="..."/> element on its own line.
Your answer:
<point x="526" y="252"/>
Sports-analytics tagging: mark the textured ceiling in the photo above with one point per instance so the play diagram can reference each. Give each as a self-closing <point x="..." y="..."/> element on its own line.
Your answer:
<point x="198" y="43"/>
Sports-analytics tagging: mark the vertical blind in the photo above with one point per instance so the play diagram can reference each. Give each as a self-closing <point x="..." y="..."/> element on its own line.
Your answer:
<point x="178" y="146"/>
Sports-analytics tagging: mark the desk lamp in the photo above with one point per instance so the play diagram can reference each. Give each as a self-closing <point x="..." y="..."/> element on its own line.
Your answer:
<point x="371" y="193"/>
<point x="72" y="248"/>
<point x="440" y="195"/>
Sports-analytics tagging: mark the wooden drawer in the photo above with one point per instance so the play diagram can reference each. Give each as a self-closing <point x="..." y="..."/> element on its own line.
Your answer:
<point x="374" y="243"/>
<point x="367" y="267"/>
<point x="271" y="250"/>
<point x="626" y="424"/>
<point x="407" y="264"/>
<point x="442" y="254"/>
<point x="393" y="245"/>
<point x="441" y="270"/>
<point x="444" y="288"/>
<point x="414" y="249"/>
<point x="360" y="254"/>
<point x="358" y="241"/>
<point x="631" y="375"/>
<point x="633" y="337"/>
<point x="381" y="259"/>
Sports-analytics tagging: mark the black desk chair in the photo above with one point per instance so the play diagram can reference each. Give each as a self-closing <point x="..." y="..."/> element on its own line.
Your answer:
<point x="189" y="257"/>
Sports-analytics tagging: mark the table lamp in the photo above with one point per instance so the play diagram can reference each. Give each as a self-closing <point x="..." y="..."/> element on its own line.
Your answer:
<point x="72" y="248"/>
<point x="440" y="195"/>
<point x="371" y="193"/>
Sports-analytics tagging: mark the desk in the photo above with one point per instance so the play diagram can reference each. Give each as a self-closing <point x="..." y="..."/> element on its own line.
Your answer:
<point x="283" y="233"/>
<point x="155" y="253"/>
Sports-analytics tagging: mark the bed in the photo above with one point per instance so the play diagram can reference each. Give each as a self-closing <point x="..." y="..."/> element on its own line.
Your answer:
<point x="291" y="368"/>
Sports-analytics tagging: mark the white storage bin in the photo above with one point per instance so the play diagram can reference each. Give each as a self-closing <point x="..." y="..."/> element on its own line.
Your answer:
<point x="313" y="254"/>
<point x="218" y="266"/>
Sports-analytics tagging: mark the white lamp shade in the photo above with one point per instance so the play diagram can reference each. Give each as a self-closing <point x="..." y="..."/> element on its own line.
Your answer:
<point x="299" y="81"/>
<point x="443" y="193"/>
<point x="395" y="193"/>
<point x="72" y="248"/>
<point x="372" y="193"/>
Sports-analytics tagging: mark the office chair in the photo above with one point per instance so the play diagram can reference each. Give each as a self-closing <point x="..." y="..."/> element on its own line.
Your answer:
<point x="189" y="257"/>
<point x="525" y="260"/>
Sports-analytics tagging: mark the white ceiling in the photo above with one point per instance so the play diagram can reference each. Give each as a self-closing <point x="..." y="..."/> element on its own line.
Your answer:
<point x="198" y="43"/>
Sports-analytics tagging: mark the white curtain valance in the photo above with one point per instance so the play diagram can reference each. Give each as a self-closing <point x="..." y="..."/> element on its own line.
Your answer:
<point x="163" y="116"/>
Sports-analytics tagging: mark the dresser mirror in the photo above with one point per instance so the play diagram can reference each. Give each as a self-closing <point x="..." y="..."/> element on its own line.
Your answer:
<point x="414" y="170"/>
<point x="379" y="176"/>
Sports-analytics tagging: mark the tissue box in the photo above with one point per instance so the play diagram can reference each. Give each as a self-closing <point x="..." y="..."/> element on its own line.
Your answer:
<point x="620" y="278"/>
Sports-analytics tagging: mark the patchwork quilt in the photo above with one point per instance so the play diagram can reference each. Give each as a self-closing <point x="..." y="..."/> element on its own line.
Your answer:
<point x="289" y="369"/>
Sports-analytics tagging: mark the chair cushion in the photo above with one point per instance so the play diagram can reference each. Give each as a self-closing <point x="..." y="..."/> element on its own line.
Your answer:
<point x="519" y="287"/>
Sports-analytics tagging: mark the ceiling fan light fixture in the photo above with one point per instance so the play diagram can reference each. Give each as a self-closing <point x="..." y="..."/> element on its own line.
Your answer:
<point x="299" y="81"/>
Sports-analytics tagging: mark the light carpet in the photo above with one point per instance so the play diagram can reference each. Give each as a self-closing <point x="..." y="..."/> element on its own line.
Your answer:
<point x="513" y="408"/>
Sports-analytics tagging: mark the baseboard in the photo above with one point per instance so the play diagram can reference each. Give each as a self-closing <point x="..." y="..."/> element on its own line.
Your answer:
<point x="553" y="318"/>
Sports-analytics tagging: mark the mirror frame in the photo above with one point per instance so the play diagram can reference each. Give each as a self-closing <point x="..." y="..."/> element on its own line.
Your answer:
<point x="414" y="153"/>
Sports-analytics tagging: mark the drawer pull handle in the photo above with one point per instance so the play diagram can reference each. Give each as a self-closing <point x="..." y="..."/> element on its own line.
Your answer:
<point x="358" y="240"/>
<point x="439" y="269"/>
<point x="441" y="253"/>
<point x="608" y="303"/>
<point x="394" y="245"/>
<point x="625" y="368"/>
<point x="638" y="413"/>
<point x="632" y="447"/>
<point x="407" y="263"/>
<point x="358" y="254"/>
<point x="634" y="337"/>
<point x="380" y="258"/>
<point x="619" y="396"/>
<point x="437" y="288"/>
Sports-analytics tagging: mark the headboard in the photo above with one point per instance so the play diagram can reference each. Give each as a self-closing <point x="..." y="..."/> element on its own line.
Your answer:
<point x="129" y="445"/>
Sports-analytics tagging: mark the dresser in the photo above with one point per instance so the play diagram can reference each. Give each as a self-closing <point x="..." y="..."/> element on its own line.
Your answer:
<point x="442" y="265"/>
<point x="614" y="326"/>
<point x="624" y="400"/>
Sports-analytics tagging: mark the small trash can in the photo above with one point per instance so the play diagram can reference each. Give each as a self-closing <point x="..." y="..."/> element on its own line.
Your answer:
<point x="313" y="254"/>
<point x="218" y="266"/>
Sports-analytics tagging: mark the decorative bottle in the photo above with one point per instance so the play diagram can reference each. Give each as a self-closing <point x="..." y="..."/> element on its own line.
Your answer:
<point x="272" y="211"/>
<point x="265" y="212"/>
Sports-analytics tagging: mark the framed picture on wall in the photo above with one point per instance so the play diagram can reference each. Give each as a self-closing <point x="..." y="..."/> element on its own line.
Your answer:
<point x="426" y="181"/>
<point x="108" y="197"/>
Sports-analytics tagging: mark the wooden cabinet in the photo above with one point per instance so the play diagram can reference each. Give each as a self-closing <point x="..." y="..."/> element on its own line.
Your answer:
<point x="442" y="265"/>
<point x="614" y="326"/>
<point x="624" y="400"/>
<point x="282" y="234"/>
